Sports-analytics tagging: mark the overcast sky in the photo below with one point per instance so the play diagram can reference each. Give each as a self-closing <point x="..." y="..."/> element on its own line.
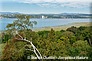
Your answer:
<point x="45" y="6"/>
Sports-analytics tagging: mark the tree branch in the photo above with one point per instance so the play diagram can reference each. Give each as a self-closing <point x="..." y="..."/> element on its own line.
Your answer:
<point x="35" y="50"/>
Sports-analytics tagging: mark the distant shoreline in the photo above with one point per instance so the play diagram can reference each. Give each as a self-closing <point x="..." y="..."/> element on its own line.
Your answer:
<point x="61" y="27"/>
<point x="64" y="27"/>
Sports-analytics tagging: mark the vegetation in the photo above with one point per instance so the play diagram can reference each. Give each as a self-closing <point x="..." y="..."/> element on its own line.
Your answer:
<point x="71" y="42"/>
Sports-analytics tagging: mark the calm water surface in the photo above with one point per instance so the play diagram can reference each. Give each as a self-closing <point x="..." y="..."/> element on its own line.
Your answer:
<point x="43" y="22"/>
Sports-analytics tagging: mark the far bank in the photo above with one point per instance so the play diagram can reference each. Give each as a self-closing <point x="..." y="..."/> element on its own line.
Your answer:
<point x="64" y="27"/>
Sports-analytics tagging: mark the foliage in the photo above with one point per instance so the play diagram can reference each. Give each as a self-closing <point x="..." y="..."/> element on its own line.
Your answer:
<point x="71" y="42"/>
<point x="51" y="43"/>
<point x="13" y="50"/>
<point x="22" y="23"/>
<point x="1" y="49"/>
<point x="80" y="48"/>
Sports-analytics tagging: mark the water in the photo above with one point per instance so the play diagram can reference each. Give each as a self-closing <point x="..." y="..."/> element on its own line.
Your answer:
<point x="43" y="22"/>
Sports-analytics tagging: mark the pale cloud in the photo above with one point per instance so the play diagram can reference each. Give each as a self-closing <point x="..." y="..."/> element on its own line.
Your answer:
<point x="74" y="1"/>
<point x="75" y="5"/>
<point x="51" y="1"/>
<point x="56" y="3"/>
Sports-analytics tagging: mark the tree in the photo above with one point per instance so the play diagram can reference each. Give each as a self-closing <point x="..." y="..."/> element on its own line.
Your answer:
<point x="80" y="48"/>
<point x="22" y="23"/>
<point x="72" y="29"/>
<point x="68" y="36"/>
<point x="13" y="50"/>
<point x="51" y="35"/>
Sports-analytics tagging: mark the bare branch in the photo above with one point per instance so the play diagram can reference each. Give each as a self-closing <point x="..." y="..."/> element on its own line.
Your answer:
<point x="35" y="50"/>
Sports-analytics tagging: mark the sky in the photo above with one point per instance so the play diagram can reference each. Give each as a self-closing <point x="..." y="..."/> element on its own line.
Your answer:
<point x="45" y="6"/>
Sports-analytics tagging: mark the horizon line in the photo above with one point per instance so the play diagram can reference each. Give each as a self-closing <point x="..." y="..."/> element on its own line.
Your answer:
<point x="48" y="13"/>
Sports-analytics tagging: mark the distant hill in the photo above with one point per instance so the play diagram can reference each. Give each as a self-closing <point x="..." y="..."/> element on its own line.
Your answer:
<point x="61" y="15"/>
<point x="9" y="13"/>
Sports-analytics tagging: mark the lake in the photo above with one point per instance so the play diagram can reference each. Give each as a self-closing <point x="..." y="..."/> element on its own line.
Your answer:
<point x="43" y="22"/>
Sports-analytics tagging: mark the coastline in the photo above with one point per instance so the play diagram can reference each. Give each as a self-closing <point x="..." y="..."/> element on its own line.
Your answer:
<point x="61" y="27"/>
<point x="64" y="27"/>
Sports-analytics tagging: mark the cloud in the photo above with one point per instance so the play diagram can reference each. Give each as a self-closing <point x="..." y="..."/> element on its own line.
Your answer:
<point x="56" y="3"/>
<point x="73" y="0"/>
<point x="52" y="1"/>
<point x="75" y="5"/>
